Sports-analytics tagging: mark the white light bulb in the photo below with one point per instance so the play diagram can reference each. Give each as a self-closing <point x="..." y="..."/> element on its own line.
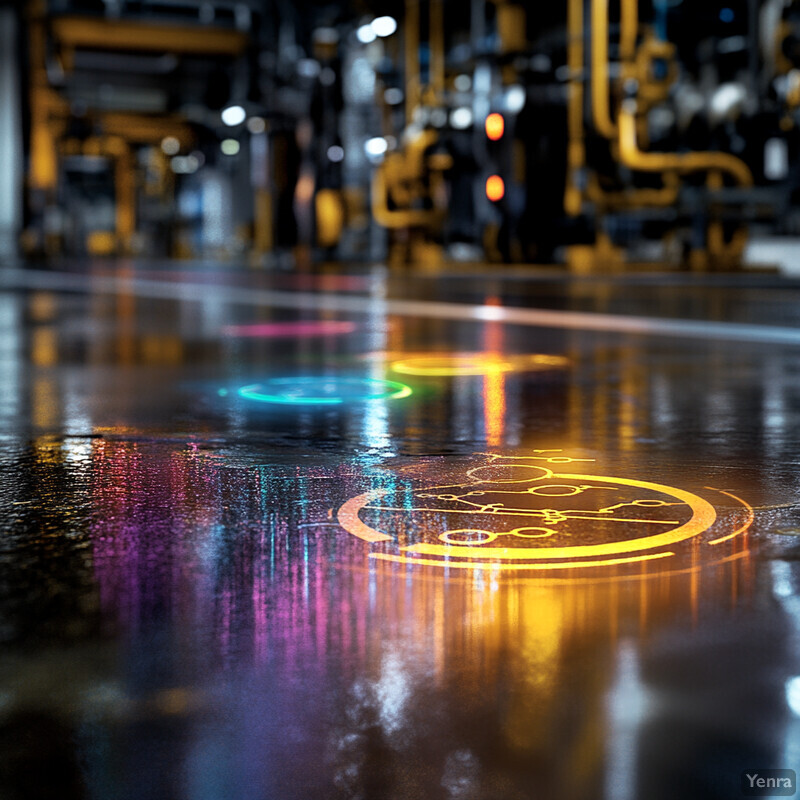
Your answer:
<point x="376" y="147"/>
<point x="230" y="147"/>
<point x="384" y="26"/>
<point x="234" y="115"/>
<point x="461" y="118"/>
<point x="365" y="34"/>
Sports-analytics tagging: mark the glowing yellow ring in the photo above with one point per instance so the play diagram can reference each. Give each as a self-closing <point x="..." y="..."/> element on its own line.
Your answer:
<point x="703" y="517"/>
<point x="443" y="365"/>
<point x="449" y="365"/>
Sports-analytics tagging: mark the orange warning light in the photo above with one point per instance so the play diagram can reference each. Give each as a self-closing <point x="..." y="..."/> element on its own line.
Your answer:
<point x="495" y="188"/>
<point x="495" y="126"/>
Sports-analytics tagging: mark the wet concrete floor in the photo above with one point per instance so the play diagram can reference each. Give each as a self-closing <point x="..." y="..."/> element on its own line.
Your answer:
<point x="352" y="534"/>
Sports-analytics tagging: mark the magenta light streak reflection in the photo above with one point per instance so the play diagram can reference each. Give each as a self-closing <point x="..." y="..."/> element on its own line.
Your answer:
<point x="225" y="555"/>
<point x="285" y="330"/>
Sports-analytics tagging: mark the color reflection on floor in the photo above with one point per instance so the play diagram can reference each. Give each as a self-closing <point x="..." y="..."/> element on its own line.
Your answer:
<point x="560" y="566"/>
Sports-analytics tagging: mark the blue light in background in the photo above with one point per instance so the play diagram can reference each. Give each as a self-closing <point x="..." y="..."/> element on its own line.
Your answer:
<point x="726" y="15"/>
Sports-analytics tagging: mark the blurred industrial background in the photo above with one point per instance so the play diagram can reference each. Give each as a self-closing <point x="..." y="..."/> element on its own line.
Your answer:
<point x="598" y="134"/>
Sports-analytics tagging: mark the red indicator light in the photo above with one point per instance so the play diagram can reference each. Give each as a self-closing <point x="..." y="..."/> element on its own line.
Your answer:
<point x="495" y="188"/>
<point x="495" y="127"/>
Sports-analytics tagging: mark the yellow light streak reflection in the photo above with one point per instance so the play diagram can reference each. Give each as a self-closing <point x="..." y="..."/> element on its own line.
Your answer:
<point x="495" y="565"/>
<point x="744" y="528"/>
<point x="494" y="407"/>
<point x="443" y="365"/>
<point x="494" y="382"/>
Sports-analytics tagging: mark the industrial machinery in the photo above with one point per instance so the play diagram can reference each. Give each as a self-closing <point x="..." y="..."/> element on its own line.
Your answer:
<point x="601" y="134"/>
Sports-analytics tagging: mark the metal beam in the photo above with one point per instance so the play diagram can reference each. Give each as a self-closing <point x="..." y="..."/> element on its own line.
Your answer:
<point x="104" y="34"/>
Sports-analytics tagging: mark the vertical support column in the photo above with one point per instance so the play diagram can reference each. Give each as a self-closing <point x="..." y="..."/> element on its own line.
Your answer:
<point x="11" y="154"/>
<point x="125" y="193"/>
<point x="437" y="49"/>
<point x="576" y="153"/>
<point x="412" y="58"/>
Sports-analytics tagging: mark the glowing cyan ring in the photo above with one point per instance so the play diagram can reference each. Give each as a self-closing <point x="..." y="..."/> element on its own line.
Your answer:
<point x="458" y="364"/>
<point x="317" y="391"/>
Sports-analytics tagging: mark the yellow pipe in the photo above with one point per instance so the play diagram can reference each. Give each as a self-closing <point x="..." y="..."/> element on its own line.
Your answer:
<point x="397" y="218"/>
<point x="576" y="153"/>
<point x="629" y="24"/>
<point x="600" y="106"/>
<point x="82" y="32"/>
<point x="631" y="156"/>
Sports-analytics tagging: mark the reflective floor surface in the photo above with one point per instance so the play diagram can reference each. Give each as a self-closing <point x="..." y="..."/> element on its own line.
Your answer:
<point x="353" y="534"/>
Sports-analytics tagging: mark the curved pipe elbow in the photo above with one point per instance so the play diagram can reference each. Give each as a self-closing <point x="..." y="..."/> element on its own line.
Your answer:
<point x="631" y="156"/>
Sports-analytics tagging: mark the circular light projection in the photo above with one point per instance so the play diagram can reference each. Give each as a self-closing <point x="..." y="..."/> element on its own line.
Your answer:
<point x="438" y="117"/>
<point x="495" y="188"/>
<point x="461" y="118"/>
<point x="515" y="99"/>
<point x="335" y="153"/>
<point x="393" y="96"/>
<point x="376" y="146"/>
<point x="308" y="67"/>
<point x="170" y="146"/>
<point x="463" y="83"/>
<point x="495" y="127"/>
<point x="516" y="513"/>
<point x="256" y="125"/>
<point x="323" y="391"/>
<point x="229" y="147"/>
<point x="233" y="116"/>
<point x="365" y="34"/>
<point x="184" y="165"/>
<point x="384" y="26"/>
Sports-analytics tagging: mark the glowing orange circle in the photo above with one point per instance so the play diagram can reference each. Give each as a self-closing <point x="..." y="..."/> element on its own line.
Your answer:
<point x="495" y="127"/>
<point x="495" y="188"/>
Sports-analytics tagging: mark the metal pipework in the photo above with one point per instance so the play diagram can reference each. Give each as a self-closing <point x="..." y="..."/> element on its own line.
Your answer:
<point x="629" y="152"/>
<point x="398" y="218"/>
<point x="399" y="178"/>
<point x="603" y="123"/>
<point x="631" y="156"/>
<point x="629" y="28"/>
<point x="576" y="151"/>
